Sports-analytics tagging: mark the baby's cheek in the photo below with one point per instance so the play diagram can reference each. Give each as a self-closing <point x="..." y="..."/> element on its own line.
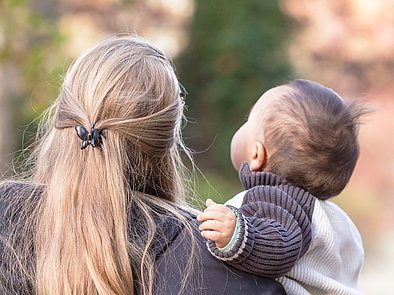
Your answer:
<point x="238" y="150"/>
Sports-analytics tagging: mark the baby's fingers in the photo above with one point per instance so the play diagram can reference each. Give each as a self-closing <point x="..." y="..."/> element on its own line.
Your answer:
<point x="211" y="225"/>
<point x="211" y="235"/>
<point x="209" y="202"/>
<point x="218" y="208"/>
<point x="211" y="215"/>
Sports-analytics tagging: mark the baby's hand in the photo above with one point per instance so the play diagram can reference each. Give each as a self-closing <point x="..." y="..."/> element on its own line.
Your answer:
<point x="217" y="223"/>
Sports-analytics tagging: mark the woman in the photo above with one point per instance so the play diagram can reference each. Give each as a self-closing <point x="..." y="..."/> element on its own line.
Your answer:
<point x="104" y="212"/>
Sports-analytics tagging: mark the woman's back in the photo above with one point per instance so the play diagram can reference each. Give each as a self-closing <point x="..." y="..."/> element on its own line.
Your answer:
<point x="105" y="217"/>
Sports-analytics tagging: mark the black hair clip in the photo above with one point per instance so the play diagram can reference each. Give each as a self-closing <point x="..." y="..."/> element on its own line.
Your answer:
<point x="93" y="138"/>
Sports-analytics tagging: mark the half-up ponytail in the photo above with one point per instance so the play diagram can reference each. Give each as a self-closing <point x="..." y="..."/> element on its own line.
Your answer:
<point x="83" y="236"/>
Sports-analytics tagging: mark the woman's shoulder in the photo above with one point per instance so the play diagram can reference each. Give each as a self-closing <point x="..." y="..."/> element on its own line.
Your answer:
<point x="17" y="200"/>
<point x="15" y="197"/>
<point x="10" y="188"/>
<point x="168" y="229"/>
<point x="208" y="275"/>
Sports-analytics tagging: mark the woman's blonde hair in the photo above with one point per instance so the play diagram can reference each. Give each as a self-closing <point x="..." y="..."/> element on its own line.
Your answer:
<point x="95" y="222"/>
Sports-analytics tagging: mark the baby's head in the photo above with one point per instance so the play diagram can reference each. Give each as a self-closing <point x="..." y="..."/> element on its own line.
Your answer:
<point x="303" y="132"/>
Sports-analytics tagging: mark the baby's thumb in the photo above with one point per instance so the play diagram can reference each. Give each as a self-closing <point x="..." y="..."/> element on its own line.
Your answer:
<point x="209" y="202"/>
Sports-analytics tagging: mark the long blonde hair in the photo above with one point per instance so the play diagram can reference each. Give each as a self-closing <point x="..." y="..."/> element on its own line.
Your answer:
<point x="97" y="202"/>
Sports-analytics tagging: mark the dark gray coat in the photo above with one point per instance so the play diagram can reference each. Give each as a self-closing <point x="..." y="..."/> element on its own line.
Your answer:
<point x="172" y="248"/>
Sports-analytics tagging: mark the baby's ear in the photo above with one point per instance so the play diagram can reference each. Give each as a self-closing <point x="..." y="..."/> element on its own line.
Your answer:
<point x="258" y="157"/>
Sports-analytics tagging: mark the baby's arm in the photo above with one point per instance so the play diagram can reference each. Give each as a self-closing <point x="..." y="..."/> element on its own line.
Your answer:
<point x="274" y="232"/>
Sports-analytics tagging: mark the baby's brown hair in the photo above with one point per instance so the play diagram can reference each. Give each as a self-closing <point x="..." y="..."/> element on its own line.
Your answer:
<point x="311" y="135"/>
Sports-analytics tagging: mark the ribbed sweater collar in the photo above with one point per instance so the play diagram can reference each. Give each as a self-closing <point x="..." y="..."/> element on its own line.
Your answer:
<point x="250" y="178"/>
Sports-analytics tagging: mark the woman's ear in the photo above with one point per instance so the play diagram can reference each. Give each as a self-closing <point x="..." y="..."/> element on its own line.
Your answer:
<point x="258" y="157"/>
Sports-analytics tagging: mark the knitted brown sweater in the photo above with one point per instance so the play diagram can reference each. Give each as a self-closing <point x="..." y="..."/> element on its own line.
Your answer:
<point x="275" y="225"/>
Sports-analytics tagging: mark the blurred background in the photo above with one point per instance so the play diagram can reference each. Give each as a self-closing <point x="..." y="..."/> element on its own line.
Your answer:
<point x="226" y="55"/>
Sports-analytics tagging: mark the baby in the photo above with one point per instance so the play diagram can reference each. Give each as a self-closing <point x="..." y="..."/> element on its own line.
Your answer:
<point x="297" y="149"/>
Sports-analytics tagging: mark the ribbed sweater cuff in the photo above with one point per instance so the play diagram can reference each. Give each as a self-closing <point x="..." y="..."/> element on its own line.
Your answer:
<point x="243" y="240"/>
